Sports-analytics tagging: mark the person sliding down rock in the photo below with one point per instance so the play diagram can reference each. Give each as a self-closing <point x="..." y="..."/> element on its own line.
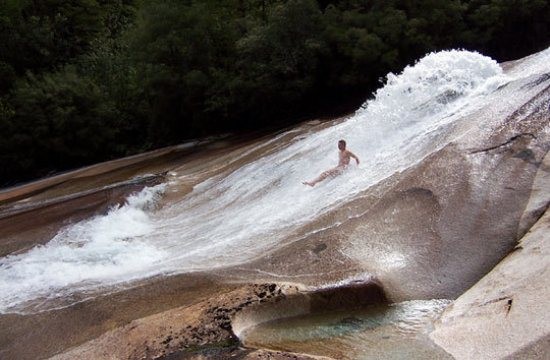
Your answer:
<point x="344" y="160"/>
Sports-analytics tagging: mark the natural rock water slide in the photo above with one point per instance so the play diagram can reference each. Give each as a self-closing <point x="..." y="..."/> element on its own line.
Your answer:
<point x="453" y="174"/>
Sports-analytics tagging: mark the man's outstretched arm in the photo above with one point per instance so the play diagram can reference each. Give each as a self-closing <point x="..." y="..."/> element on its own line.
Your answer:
<point x="354" y="156"/>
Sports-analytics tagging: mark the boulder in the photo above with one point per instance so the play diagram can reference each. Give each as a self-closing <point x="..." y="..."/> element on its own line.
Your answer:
<point x="505" y="314"/>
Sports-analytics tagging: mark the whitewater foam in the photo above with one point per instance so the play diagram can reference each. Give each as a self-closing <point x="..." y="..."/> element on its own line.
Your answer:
<point x="102" y="249"/>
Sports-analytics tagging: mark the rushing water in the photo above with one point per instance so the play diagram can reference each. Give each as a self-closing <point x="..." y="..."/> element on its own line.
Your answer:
<point x="235" y="217"/>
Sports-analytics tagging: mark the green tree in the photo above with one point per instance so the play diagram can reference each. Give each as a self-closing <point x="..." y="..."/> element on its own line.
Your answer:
<point x="59" y="120"/>
<point x="508" y="29"/>
<point x="278" y="62"/>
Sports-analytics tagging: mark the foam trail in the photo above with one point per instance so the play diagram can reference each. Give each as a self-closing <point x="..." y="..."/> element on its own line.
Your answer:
<point x="232" y="219"/>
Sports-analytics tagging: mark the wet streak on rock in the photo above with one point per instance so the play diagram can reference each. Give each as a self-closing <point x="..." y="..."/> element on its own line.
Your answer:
<point x="539" y="80"/>
<point x="508" y="142"/>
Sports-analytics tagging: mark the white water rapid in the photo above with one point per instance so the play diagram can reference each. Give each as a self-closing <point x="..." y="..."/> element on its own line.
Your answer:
<point x="233" y="219"/>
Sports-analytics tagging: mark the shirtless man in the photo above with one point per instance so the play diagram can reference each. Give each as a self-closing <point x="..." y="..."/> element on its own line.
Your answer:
<point x="344" y="160"/>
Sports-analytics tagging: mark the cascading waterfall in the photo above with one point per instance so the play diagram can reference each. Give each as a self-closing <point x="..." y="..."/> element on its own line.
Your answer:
<point x="232" y="219"/>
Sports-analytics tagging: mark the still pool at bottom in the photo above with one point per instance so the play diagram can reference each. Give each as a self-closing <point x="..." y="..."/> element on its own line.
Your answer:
<point x="396" y="331"/>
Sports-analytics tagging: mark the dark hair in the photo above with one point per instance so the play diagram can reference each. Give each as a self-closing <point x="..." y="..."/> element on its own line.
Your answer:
<point x="342" y="142"/>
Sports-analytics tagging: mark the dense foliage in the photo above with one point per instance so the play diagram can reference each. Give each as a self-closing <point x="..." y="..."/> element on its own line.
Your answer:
<point x="88" y="80"/>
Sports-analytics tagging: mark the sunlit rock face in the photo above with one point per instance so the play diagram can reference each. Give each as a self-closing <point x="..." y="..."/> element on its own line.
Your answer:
<point x="504" y="315"/>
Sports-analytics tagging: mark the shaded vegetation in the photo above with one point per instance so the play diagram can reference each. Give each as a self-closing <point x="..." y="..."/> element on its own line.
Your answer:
<point x="89" y="80"/>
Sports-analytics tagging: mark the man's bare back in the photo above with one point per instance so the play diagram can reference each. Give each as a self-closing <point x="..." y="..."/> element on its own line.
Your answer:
<point x="344" y="158"/>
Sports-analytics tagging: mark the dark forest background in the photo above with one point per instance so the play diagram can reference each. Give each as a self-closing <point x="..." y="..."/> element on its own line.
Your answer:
<point x="82" y="81"/>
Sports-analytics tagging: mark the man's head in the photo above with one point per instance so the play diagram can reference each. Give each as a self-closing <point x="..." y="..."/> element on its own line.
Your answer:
<point x="342" y="145"/>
